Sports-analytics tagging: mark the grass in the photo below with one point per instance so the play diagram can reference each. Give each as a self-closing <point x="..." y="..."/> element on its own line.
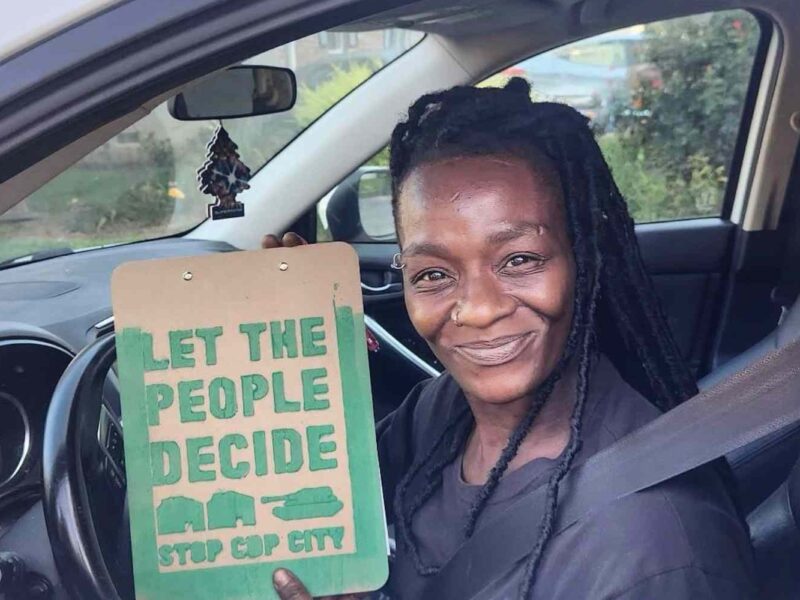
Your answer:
<point x="22" y="238"/>
<point x="91" y="185"/>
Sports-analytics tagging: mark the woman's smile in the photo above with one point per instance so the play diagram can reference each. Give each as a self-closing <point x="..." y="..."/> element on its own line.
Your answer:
<point x="497" y="351"/>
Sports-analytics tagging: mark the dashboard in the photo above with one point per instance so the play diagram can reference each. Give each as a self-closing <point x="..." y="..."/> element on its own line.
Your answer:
<point x="51" y="310"/>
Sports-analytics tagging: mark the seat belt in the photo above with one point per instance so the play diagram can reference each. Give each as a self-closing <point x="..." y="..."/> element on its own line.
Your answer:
<point x="752" y="403"/>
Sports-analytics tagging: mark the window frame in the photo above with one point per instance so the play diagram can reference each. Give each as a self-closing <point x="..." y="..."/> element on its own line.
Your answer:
<point x="767" y="30"/>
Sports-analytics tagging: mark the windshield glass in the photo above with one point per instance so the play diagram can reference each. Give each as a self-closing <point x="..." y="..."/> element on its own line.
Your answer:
<point x="142" y="183"/>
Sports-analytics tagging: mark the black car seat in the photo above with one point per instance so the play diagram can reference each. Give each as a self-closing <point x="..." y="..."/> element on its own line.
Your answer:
<point x="775" y="532"/>
<point x="760" y="467"/>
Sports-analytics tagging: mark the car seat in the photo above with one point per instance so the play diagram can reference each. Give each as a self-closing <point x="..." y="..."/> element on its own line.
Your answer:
<point x="767" y="474"/>
<point x="760" y="467"/>
<point x="775" y="532"/>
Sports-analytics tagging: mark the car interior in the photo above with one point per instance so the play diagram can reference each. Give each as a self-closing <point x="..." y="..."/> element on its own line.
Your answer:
<point x="712" y="175"/>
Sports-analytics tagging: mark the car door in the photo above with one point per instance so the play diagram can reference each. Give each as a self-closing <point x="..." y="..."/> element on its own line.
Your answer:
<point x="670" y="112"/>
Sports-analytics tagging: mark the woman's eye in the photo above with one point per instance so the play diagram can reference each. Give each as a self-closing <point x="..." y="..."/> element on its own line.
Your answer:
<point x="519" y="260"/>
<point x="432" y="276"/>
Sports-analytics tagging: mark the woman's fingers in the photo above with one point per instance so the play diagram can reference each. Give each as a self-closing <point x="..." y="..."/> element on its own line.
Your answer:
<point x="292" y="239"/>
<point x="270" y="241"/>
<point x="289" y="240"/>
<point x="288" y="586"/>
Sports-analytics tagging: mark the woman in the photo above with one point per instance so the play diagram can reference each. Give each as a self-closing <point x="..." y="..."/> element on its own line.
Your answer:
<point x="522" y="272"/>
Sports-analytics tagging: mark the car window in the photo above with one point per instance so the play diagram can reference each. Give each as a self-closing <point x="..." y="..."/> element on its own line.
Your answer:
<point x="665" y="100"/>
<point x="142" y="183"/>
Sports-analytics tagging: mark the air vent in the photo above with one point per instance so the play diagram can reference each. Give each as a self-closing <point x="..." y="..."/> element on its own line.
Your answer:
<point x="103" y="327"/>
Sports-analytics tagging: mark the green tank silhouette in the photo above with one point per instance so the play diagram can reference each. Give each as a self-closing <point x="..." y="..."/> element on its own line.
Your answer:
<point x="306" y="503"/>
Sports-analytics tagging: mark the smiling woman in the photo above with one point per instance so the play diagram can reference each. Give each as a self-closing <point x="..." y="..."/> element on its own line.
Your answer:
<point x="522" y="273"/>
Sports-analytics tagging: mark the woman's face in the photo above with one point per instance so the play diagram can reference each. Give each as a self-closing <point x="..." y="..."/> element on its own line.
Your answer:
<point x="489" y="275"/>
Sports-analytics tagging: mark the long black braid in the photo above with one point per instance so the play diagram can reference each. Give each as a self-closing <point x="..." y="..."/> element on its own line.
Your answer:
<point x="615" y="310"/>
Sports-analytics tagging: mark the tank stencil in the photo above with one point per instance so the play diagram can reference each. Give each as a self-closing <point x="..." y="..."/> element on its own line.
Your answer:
<point x="306" y="503"/>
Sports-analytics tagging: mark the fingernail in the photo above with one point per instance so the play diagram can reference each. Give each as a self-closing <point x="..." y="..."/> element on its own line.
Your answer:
<point x="281" y="577"/>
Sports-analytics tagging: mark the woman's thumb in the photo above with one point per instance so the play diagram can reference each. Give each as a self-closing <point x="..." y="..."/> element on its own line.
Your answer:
<point x="288" y="586"/>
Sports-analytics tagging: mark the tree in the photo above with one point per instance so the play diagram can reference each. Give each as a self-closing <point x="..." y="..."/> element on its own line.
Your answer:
<point x="681" y="123"/>
<point x="695" y="103"/>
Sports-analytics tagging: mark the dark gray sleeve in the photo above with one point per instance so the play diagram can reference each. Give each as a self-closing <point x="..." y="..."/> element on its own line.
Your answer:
<point x="687" y="583"/>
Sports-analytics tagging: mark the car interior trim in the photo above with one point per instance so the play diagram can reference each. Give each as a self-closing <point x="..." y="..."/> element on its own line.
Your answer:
<point x="104" y="324"/>
<point x="761" y="68"/>
<point x="776" y="147"/>
<point x="758" y="127"/>
<point x="26" y="444"/>
<point x="388" y="339"/>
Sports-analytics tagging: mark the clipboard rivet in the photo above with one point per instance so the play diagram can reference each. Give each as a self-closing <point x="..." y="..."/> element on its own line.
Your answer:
<point x="283" y="266"/>
<point x="187" y="276"/>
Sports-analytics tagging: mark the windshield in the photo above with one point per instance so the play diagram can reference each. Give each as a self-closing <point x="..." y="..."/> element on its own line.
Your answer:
<point x="142" y="184"/>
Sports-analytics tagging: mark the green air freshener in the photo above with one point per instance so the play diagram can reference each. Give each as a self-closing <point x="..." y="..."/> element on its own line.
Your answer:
<point x="249" y="436"/>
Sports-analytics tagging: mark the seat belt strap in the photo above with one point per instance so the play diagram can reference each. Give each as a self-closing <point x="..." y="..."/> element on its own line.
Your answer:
<point x="752" y="403"/>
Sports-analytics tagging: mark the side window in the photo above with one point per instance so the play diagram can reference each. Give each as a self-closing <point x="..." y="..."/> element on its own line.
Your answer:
<point x="665" y="100"/>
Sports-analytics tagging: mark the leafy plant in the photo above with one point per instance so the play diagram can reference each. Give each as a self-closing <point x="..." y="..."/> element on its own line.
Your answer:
<point x="143" y="201"/>
<point x="314" y="101"/>
<point x="680" y="129"/>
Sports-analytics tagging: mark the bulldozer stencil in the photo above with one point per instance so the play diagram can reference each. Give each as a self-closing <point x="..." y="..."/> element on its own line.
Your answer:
<point x="228" y="510"/>
<point x="178" y="513"/>
<point x="225" y="509"/>
<point x="305" y="503"/>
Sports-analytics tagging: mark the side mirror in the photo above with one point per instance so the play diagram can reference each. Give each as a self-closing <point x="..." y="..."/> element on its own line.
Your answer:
<point x="241" y="91"/>
<point x="360" y="208"/>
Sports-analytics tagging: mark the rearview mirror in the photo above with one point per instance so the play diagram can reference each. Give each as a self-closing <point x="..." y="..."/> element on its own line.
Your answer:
<point x="241" y="91"/>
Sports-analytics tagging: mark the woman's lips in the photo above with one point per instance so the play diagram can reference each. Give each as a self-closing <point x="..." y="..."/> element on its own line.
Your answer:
<point x="496" y="351"/>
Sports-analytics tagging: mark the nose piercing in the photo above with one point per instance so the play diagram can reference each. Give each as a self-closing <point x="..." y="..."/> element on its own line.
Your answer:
<point x="454" y="317"/>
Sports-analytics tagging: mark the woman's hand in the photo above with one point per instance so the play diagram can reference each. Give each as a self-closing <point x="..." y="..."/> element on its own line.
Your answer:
<point x="290" y="587"/>
<point x="288" y="240"/>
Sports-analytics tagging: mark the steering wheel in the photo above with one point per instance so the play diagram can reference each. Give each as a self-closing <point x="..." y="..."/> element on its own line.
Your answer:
<point x="73" y="410"/>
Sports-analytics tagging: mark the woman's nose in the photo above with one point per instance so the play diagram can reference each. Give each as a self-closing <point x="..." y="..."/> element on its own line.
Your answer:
<point x="483" y="303"/>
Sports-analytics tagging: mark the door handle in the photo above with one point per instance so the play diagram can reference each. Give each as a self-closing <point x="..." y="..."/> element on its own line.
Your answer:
<point x="388" y="286"/>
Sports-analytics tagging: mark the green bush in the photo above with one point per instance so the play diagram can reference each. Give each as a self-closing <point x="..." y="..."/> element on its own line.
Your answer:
<point x="312" y="102"/>
<point x="670" y="155"/>
<point x="92" y="198"/>
<point x="653" y="193"/>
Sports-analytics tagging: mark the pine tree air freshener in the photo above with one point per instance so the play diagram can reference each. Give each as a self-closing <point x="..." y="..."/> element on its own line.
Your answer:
<point x="223" y="176"/>
<point x="249" y="431"/>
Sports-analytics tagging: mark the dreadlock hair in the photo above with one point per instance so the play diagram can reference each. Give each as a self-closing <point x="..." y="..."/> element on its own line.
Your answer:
<point x="615" y="310"/>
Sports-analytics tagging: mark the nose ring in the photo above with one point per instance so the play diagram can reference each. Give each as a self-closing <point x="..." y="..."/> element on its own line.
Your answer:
<point x="454" y="317"/>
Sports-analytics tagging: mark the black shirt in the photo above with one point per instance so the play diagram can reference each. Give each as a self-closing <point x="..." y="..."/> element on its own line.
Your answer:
<point x="680" y="539"/>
